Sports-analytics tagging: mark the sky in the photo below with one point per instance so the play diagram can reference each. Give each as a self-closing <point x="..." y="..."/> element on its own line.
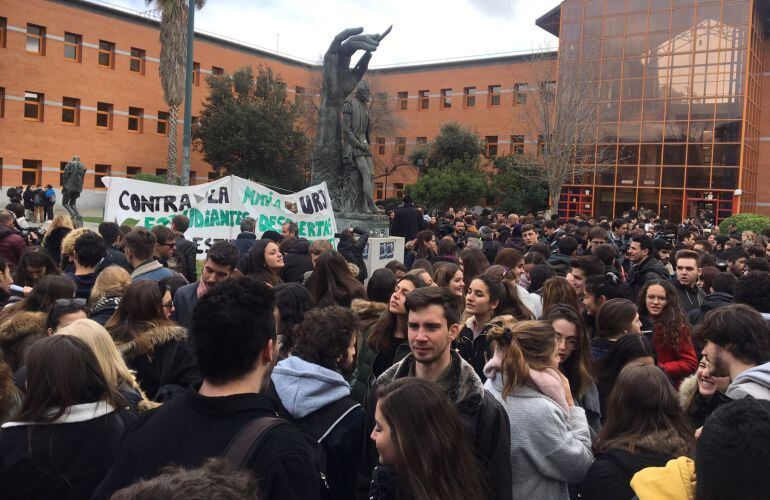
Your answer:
<point x="423" y="30"/>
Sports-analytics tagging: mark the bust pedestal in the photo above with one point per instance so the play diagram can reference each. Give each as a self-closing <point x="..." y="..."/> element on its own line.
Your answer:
<point x="377" y="224"/>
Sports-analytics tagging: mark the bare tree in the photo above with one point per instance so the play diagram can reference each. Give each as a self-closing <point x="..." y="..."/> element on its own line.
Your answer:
<point x="563" y="113"/>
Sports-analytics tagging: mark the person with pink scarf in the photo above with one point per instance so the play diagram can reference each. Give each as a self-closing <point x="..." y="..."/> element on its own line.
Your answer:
<point x="550" y="437"/>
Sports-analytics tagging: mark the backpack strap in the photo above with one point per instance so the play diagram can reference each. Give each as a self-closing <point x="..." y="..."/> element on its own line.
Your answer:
<point x="323" y="421"/>
<point x="247" y="439"/>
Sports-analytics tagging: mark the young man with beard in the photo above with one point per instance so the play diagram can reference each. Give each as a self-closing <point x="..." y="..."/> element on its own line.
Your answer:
<point x="432" y="324"/>
<point x="738" y="345"/>
<point x="688" y="270"/>
<point x="312" y="388"/>
<point x="234" y="336"/>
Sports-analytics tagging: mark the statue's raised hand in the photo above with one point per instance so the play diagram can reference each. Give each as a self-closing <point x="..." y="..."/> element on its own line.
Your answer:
<point x="339" y="78"/>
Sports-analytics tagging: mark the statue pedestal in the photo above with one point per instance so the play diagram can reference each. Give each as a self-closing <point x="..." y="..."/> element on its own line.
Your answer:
<point x="377" y="224"/>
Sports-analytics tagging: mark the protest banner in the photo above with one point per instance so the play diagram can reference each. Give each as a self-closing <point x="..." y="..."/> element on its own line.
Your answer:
<point x="217" y="208"/>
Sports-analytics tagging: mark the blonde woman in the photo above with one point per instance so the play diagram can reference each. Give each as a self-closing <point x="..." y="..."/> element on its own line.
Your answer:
<point x="110" y="361"/>
<point x="107" y="292"/>
<point x="68" y="249"/>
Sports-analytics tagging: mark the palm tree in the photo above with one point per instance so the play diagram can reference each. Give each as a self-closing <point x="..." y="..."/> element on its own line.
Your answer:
<point x="173" y="54"/>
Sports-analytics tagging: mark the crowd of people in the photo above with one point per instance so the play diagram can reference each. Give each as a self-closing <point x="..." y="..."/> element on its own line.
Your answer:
<point x="505" y="357"/>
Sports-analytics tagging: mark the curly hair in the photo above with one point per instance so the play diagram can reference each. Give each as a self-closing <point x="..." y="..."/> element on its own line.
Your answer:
<point x="324" y="337"/>
<point x="671" y="319"/>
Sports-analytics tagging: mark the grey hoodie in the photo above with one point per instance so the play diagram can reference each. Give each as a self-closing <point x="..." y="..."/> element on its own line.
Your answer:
<point x="754" y="382"/>
<point x="305" y="387"/>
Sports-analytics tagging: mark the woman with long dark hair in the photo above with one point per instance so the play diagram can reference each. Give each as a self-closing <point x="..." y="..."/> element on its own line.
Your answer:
<point x="488" y="296"/>
<point x="473" y="262"/>
<point x="292" y="301"/>
<point x="153" y="346"/>
<point x="575" y="361"/>
<point x="451" y="277"/>
<point x="644" y="427"/>
<point x="34" y="263"/>
<point x="671" y="335"/>
<point x="385" y="343"/>
<point x="615" y="318"/>
<point x="437" y="462"/>
<point x="627" y="349"/>
<point x="558" y="290"/>
<point x="332" y="283"/>
<point x="425" y="247"/>
<point x="550" y="437"/>
<point x="447" y="250"/>
<point x="263" y="262"/>
<point x="68" y="432"/>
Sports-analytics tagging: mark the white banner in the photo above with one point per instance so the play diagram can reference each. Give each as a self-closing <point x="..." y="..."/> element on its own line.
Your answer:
<point x="216" y="208"/>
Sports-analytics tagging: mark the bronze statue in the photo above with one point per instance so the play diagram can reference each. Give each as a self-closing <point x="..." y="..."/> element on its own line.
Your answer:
<point x="339" y="80"/>
<point x="358" y="179"/>
<point x="72" y="186"/>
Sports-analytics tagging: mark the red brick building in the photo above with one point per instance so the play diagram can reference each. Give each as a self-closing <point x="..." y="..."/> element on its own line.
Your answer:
<point x="78" y="78"/>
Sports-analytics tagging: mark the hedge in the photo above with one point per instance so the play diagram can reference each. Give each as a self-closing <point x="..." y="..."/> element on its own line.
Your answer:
<point x="745" y="222"/>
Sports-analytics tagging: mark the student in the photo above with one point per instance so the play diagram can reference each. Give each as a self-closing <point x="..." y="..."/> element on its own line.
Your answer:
<point x="615" y="318"/>
<point x="436" y="462"/>
<point x="433" y="323"/>
<point x="558" y="290"/>
<point x="34" y="263"/>
<point x="575" y="361"/>
<point x="153" y="346"/>
<point x="234" y="333"/>
<point x="140" y="247"/>
<point x="386" y="342"/>
<point x="738" y="345"/>
<point x="425" y="247"/>
<point x="292" y="301"/>
<point x="645" y="266"/>
<point x="263" y="262"/>
<point x="644" y="427"/>
<point x="550" y="437"/>
<point x="89" y="251"/>
<point x="451" y="277"/>
<point x="627" y="349"/>
<point x="186" y="250"/>
<point x="597" y="291"/>
<point x="331" y="282"/>
<point x="702" y="393"/>
<point x="473" y="263"/>
<point x="313" y="393"/>
<point x="219" y="265"/>
<point x="67" y="434"/>
<point x="487" y="297"/>
<point x="688" y="271"/>
<point x="671" y="335"/>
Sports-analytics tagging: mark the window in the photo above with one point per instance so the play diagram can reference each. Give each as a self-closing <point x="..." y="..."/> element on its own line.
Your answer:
<point x="30" y="172"/>
<point x="99" y="172"/>
<point x="540" y="144"/>
<point x="424" y="99"/>
<point x="403" y="98"/>
<point x="197" y="73"/>
<point x="519" y="93"/>
<point x="193" y="177"/>
<point x="132" y="172"/>
<point x="469" y="97"/>
<point x="135" y="119"/>
<point x="103" y="115"/>
<point x="161" y="171"/>
<point x="299" y="93"/>
<point x="493" y="95"/>
<point x="35" y="39"/>
<point x="2" y="102"/>
<point x="33" y="106"/>
<point x="517" y="144"/>
<point x="73" y="45"/>
<point x="422" y="141"/>
<point x="548" y="89"/>
<point x="162" y="122"/>
<point x="217" y="71"/>
<point x="378" y="190"/>
<point x="3" y="31"/>
<point x="106" y="54"/>
<point x="137" y="60"/>
<point x="446" y="99"/>
<point x="399" y="187"/>
<point x="380" y="145"/>
<point x="491" y="146"/>
<point x="401" y="145"/>
<point x="213" y="176"/>
<point x="70" y="110"/>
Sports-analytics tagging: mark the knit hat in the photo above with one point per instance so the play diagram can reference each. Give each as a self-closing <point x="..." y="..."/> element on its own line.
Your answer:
<point x="272" y="236"/>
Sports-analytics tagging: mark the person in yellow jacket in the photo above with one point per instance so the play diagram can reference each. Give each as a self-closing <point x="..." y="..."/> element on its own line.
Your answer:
<point x="675" y="481"/>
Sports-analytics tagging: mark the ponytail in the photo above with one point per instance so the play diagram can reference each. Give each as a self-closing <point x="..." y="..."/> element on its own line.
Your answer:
<point x="527" y="345"/>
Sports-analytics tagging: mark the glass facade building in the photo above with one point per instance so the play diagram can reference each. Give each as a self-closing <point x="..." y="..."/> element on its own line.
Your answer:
<point x="679" y="90"/>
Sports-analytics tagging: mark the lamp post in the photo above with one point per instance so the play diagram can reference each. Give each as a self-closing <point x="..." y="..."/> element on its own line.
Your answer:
<point x="186" y="135"/>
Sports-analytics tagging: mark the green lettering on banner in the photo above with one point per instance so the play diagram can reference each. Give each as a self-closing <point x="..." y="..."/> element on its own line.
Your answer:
<point x="197" y="217"/>
<point x="149" y="222"/>
<point x="264" y="223"/>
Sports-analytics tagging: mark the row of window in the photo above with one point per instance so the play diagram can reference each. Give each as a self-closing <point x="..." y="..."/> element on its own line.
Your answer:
<point x="73" y="50"/>
<point x="70" y="113"/>
<point x="494" y="96"/>
<point x="32" y="171"/>
<point x="490" y="144"/>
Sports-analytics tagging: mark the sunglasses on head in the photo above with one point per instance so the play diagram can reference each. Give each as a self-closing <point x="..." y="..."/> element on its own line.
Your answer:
<point x="66" y="302"/>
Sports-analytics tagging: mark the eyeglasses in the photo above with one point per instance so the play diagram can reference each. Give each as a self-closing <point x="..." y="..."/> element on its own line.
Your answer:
<point x="66" y="302"/>
<point x="170" y="245"/>
<point x="168" y="305"/>
<point x="571" y="342"/>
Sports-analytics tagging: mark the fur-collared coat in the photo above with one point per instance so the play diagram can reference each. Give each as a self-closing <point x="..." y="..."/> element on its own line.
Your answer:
<point x="19" y="332"/>
<point x="485" y="422"/>
<point x="163" y="360"/>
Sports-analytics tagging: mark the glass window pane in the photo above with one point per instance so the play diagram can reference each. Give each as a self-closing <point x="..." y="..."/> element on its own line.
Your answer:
<point x="627" y="176"/>
<point x="727" y="131"/>
<point x="676" y="131"/>
<point x="674" y="154"/>
<point x="653" y="110"/>
<point x="682" y="19"/>
<point x="698" y="177"/>
<point x="730" y="108"/>
<point x="608" y="132"/>
<point x="631" y="111"/>
<point x="727" y="155"/>
<point x="614" y="7"/>
<point x="628" y="132"/>
<point x="699" y="154"/>
<point x="649" y="176"/>
<point x="652" y="132"/>
<point x="724" y="178"/>
<point x="70" y="52"/>
<point x="701" y="131"/>
<point x="592" y="28"/>
<point x="628" y="155"/>
<point x="632" y="68"/>
<point x="650" y="154"/>
<point x="677" y="109"/>
<point x="673" y="177"/>
<point x="613" y="47"/>
<point x="736" y="12"/>
<point x="633" y="88"/>
<point x="636" y="23"/>
<point x="606" y="176"/>
<point x="625" y="200"/>
<point x="648" y="199"/>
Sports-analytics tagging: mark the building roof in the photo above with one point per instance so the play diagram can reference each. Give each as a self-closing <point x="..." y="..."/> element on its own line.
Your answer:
<point x="550" y="21"/>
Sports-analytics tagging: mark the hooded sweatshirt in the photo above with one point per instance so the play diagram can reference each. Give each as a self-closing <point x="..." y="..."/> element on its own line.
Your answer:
<point x="305" y="387"/>
<point x="754" y="382"/>
<point x="675" y="481"/>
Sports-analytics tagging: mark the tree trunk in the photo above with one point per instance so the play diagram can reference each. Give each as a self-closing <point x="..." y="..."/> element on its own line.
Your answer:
<point x="554" y="194"/>
<point x="171" y="174"/>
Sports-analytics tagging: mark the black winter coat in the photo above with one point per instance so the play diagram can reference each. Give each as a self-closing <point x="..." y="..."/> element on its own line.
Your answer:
<point x="104" y="309"/>
<point x="475" y="351"/>
<point x="712" y="301"/>
<point x="297" y="262"/>
<point x="61" y="461"/>
<point x="244" y="241"/>
<point x="490" y="249"/>
<point x="191" y="428"/>
<point x="187" y="255"/>
<point x="650" y="269"/>
<point x="407" y="222"/>
<point x="353" y="251"/>
<point x="609" y="478"/>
